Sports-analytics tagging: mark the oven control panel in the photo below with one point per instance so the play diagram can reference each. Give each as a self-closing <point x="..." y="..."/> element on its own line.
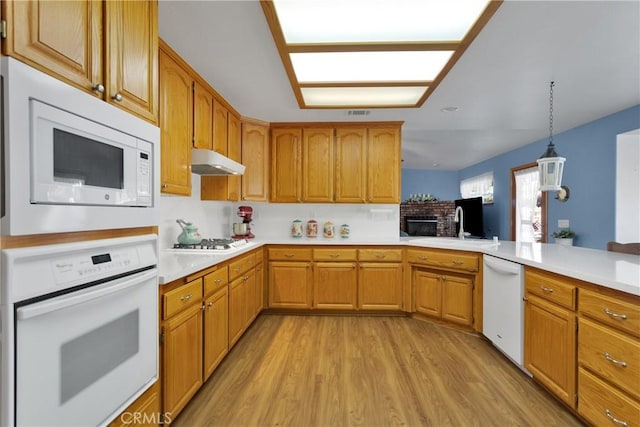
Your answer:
<point x="92" y="266"/>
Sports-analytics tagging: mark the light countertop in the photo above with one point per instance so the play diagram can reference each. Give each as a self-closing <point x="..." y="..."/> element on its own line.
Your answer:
<point x="610" y="269"/>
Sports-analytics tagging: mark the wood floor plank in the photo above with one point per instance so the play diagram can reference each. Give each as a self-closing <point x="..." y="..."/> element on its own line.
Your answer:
<point x="367" y="371"/>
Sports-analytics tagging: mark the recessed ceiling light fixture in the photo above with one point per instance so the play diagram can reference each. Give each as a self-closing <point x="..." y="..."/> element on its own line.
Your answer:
<point x="383" y="54"/>
<point x="450" y="109"/>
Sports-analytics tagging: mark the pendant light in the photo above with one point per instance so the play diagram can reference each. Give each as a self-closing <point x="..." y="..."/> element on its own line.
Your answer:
<point x="550" y="165"/>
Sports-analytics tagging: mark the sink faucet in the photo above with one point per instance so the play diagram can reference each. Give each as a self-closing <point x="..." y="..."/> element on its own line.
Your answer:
<point x="460" y="218"/>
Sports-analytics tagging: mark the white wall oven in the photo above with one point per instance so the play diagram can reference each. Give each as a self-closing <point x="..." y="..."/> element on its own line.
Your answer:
<point x="71" y="161"/>
<point x="79" y="336"/>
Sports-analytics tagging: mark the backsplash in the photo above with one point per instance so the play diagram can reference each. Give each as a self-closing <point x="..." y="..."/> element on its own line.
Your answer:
<point x="272" y="220"/>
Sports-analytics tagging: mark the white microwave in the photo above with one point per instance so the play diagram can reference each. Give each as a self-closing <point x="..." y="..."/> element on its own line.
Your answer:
<point x="72" y="162"/>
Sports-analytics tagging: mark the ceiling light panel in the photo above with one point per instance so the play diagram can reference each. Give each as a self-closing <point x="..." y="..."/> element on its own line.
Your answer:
<point x="397" y="66"/>
<point x="356" y="21"/>
<point x="370" y="96"/>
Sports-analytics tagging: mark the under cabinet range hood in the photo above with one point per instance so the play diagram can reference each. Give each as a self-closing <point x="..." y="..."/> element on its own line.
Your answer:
<point x="209" y="162"/>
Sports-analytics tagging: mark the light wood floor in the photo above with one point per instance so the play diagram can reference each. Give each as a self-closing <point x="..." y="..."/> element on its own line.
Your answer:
<point x="367" y="371"/>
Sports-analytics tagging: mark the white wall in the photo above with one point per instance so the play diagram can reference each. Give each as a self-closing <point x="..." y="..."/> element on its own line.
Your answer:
<point x="272" y="220"/>
<point x="628" y="187"/>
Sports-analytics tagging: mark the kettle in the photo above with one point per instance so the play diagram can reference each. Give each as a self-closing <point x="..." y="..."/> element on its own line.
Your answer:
<point x="189" y="235"/>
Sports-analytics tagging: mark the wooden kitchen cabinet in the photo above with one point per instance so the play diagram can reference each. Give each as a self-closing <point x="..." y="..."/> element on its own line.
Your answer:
<point x="335" y="285"/>
<point x="383" y="165"/>
<point x="176" y="126"/>
<point x="216" y="329"/>
<point x="290" y="284"/>
<point x="182" y="358"/>
<point x="550" y="333"/>
<point x="427" y="293"/>
<point x="317" y="165"/>
<point x="242" y="297"/>
<point x="286" y="153"/>
<point x="202" y="117"/>
<point x="111" y="53"/>
<point x="220" y="135"/>
<point x="380" y="279"/>
<point x="351" y="165"/>
<point x="255" y="158"/>
<point x="225" y="187"/>
<point x="608" y="357"/>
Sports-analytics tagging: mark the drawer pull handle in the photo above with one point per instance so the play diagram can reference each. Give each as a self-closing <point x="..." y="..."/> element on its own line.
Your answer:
<point x="334" y="255"/>
<point x="458" y="261"/>
<point x="218" y="281"/>
<point x="545" y="289"/>
<point x="288" y="255"/>
<point x="209" y="304"/>
<point x="614" y="361"/>
<point x="615" y="315"/>
<point x="186" y="297"/>
<point x="614" y="419"/>
<point x="422" y="257"/>
<point x="380" y="256"/>
<point x="236" y="269"/>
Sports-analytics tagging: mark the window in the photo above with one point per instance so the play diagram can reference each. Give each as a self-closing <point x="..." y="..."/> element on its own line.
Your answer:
<point x="480" y="185"/>
<point x="528" y="205"/>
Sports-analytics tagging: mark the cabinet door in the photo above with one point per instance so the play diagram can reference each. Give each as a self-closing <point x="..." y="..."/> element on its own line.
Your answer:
<point x="259" y="284"/>
<point x="285" y="165"/>
<point x="237" y="309"/>
<point x="216" y="330"/>
<point x="202" y="117"/>
<point x="383" y="165"/>
<point x="255" y="158"/>
<point x="550" y="347"/>
<point x="234" y="153"/>
<point x="351" y="164"/>
<point x="250" y="297"/>
<point x="131" y="47"/>
<point x="176" y="106"/>
<point x="427" y="288"/>
<point x="220" y="132"/>
<point x="317" y="165"/>
<point x="334" y="285"/>
<point x="62" y="38"/>
<point x="290" y="284"/>
<point x="182" y="359"/>
<point x="457" y="300"/>
<point x="380" y="286"/>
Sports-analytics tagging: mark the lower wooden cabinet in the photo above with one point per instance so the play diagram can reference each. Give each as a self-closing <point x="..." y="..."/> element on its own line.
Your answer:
<point x="216" y="330"/>
<point x="290" y="284"/>
<point x="603" y="405"/>
<point x="242" y="300"/>
<point x="335" y="285"/>
<point x="380" y="286"/>
<point x="182" y="358"/>
<point x="447" y="297"/>
<point x="145" y="411"/>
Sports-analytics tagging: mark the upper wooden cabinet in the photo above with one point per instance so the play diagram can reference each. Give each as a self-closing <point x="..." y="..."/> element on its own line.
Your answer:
<point x="176" y="126"/>
<point x="383" y="165"/>
<point x="351" y="165"/>
<point x="317" y="165"/>
<point x="202" y="117"/>
<point x="220" y="130"/>
<point x="286" y="152"/>
<point x="117" y="62"/>
<point x="255" y="158"/>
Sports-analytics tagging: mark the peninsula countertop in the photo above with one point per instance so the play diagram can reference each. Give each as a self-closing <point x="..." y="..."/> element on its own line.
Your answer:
<point x="609" y="269"/>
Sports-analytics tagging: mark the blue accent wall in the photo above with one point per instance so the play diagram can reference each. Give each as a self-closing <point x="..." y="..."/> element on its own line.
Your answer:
<point x="590" y="173"/>
<point x="443" y="185"/>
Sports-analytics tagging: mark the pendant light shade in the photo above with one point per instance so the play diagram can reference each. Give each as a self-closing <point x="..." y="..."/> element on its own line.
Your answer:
<point x="550" y="165"/>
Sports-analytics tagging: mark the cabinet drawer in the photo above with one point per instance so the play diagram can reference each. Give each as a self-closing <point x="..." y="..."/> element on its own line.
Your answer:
<point x="290" y="254"/>
<point x="551" y="288"/>
<point x="612" y="311"/>
<point x="446" y="259"/>
<point x="612" y="355"/>
<point x="241" y="264"/>
<point x="602" y="405"/>
<point x="380" y="255"/>
<point x="259" y="254"/>
<point x="178" y="299"/>
<point x="216" y="280"/>
<point x="326" y="254"/>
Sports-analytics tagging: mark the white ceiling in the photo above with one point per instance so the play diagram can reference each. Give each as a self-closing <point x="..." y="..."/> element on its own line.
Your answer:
<point x="501" y="84"/>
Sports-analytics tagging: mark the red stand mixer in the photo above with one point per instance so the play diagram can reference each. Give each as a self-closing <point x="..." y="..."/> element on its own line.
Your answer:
<point x="243" y="230"/>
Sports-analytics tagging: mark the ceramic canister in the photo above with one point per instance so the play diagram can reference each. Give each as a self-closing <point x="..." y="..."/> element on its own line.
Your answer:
<point x="296" y="228"/>
<point x="312" y="228"/>
<point x="328" y="230"/>
<point x="344" y="231"/>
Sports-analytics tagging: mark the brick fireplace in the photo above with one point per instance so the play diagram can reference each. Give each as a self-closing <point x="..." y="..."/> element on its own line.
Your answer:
<point x="443" y="210"/>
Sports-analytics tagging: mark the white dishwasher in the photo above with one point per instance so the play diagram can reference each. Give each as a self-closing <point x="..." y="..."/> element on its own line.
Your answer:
<point x="503" y="307"/>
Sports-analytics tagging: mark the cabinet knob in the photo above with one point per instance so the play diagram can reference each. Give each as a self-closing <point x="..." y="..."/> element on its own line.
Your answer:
<point x="98" y="88"/>
<point x="164" y="185"/>
<point x="117" y="97"/>
<point x="210" y="304"/>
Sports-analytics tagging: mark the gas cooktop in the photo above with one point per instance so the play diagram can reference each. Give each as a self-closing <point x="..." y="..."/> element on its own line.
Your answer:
<point x="211" y="245"/>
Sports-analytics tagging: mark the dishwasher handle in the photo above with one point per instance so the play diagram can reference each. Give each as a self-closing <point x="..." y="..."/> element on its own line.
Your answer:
<point x="501" y="266"/>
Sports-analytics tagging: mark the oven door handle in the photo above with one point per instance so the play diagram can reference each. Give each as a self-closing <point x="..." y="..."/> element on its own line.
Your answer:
<point x="68" y="300"/>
